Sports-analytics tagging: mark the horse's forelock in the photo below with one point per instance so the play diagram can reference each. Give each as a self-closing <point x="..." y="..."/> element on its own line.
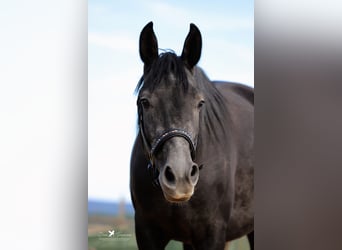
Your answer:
<point x="159" y="71"/>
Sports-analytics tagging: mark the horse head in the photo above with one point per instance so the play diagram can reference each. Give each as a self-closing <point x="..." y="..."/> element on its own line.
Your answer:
<point x="169" y="106"/>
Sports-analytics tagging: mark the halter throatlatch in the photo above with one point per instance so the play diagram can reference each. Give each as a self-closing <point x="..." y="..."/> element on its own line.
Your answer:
<point x="157" y="143"/>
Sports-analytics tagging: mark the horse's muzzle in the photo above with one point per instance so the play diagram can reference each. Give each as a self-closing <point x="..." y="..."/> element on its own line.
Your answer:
<point x="178" y="186"/>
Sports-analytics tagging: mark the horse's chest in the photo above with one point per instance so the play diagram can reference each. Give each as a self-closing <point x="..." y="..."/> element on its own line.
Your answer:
<point x="178" y="223"/>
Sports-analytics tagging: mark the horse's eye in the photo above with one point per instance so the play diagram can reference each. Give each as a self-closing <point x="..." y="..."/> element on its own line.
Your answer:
<point x="144" y="103"/>
<point x="201" y="103"/>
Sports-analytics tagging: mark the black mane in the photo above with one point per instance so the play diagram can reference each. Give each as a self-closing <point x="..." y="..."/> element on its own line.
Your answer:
<point x="215" y="113"/>
<point x="168" y="62"/>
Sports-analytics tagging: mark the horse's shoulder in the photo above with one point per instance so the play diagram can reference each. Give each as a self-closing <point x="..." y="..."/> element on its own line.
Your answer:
<point x="238" y="88"/>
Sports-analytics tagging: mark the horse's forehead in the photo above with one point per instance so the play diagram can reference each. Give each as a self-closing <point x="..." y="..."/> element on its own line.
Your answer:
<point x="170" y="83"/>
<point x="169" y="86"/>
<point x="173" y="78"/>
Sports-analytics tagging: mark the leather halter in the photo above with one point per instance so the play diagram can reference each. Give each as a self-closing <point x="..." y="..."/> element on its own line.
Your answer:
<point x="157" y="143"/>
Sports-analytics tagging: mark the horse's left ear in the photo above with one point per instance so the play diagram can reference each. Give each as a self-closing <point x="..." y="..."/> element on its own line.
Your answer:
<point x="192" y="47"/>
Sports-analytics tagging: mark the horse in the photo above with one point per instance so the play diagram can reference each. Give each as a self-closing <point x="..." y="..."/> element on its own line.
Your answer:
<point x="191" y="174"/>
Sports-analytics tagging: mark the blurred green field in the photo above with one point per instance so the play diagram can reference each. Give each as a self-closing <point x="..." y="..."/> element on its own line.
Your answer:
<point x="124" y="237"/>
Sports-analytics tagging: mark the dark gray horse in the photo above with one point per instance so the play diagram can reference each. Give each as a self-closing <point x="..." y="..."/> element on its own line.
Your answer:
<point x="192" y="162"/>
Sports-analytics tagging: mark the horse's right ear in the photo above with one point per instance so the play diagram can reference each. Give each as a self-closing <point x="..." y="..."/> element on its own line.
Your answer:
<point x="148" y="45"/>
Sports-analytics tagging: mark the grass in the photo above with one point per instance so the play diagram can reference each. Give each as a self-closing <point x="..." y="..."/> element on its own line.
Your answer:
<point x="121" y="244"/>
<point x="124" y="237"/>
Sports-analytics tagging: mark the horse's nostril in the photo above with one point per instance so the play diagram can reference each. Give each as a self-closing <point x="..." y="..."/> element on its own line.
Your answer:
<point x="169" y="175"/>
<point x="194" y="173"/>
<point x="194" y="170"/>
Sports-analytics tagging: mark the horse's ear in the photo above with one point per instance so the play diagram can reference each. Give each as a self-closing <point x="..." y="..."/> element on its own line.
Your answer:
<point x="148" y="45"/>
<point x="192" y="47"/>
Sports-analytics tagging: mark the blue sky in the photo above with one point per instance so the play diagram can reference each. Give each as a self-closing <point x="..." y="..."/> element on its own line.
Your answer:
<point x="114" y="68"/>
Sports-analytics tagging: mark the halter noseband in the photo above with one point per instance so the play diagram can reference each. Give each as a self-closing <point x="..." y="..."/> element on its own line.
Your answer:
<point x="159" y="141"/>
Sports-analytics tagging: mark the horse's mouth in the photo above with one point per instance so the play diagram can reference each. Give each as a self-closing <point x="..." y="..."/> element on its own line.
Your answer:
<point x="178" y="199"/>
